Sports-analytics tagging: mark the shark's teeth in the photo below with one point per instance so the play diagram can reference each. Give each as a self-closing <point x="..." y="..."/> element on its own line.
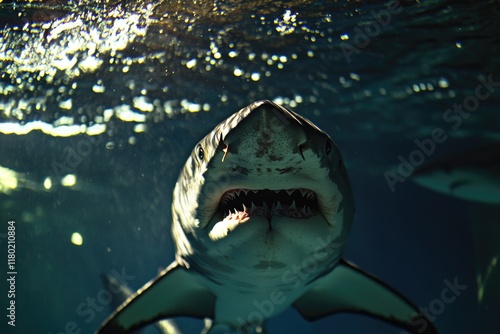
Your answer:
<point x="281" y="202"/>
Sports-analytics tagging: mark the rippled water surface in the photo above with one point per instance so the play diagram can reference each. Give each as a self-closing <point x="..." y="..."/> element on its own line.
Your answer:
<point x="101" y="102"/>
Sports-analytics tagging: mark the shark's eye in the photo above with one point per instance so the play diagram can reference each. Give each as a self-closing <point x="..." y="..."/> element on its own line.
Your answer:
<point x="328" y="148"/>
<point x="201" y="152"/>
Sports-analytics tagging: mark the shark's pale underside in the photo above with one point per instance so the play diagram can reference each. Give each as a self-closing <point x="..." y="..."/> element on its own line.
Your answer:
<point x="261" y="213"/>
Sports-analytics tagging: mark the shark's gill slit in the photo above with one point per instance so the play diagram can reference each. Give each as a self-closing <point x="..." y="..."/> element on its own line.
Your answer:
<point x="294" y="203"/>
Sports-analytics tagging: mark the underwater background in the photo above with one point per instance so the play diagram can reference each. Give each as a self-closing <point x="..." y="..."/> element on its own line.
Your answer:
<point x="101" y="102"/>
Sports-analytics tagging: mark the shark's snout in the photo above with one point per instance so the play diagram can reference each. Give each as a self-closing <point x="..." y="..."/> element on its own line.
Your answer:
<point x="269" y="132"/>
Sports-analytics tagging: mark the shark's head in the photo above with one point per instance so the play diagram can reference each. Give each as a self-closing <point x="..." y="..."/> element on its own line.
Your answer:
<point x="264" y="190"/>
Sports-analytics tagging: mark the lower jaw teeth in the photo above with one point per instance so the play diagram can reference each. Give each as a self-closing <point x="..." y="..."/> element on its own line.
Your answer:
<point x="278" y="210"/>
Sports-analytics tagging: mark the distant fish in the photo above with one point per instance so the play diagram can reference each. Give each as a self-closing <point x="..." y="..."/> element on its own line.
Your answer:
<point x="473" y="175"/>
<point x="121" y="292"/>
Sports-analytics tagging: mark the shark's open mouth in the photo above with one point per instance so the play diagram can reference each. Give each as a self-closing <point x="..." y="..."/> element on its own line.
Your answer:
<point x="294" y="203"/>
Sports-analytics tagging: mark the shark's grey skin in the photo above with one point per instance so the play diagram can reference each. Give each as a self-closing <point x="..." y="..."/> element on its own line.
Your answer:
<point x="261" y="213"/>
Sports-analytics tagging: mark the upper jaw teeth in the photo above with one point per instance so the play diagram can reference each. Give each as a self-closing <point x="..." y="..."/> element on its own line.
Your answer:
<point x="236" y="192"/>
<point x="295" y="203"/>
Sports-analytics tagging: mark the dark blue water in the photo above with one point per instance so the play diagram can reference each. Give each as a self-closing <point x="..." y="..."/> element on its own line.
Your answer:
<point x="118" y="93"/>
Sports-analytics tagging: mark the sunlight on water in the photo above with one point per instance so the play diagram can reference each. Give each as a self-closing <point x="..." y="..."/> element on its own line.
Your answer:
<point x="8" y="180"/>
<point x="84" y="42"/>
<point x="65" y="49"/>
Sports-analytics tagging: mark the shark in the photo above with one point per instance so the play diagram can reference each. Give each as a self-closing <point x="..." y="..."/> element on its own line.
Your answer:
<point x="473" y="176"/>
<point x="261" y="213"/>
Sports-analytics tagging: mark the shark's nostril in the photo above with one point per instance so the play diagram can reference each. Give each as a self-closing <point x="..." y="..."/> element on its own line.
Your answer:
<point x="302" y="147"/>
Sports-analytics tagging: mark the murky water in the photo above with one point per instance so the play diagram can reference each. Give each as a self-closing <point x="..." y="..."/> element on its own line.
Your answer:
<point x="102" y="101"/>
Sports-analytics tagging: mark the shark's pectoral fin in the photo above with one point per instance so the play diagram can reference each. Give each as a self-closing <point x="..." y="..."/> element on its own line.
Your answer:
<point x="175" y="292"/>
<point x="349" y="289"/>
